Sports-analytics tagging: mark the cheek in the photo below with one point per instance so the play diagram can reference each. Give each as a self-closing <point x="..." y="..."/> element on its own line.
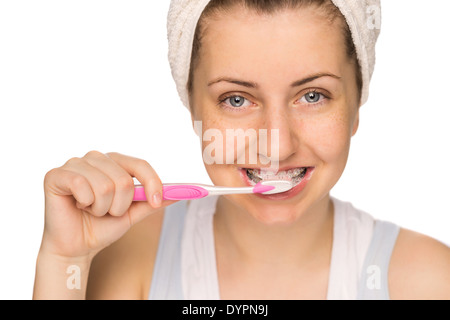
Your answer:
<point x="329" y="138"/>
<point x="227" y="142"/>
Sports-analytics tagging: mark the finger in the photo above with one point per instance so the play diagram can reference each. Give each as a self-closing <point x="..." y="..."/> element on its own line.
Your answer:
<point x="146" y="175"/>
<point x="123" y="182"/>
<point x="102" y="186"/>
<point x="140" y="210"/>
<point x="62" y="182"/>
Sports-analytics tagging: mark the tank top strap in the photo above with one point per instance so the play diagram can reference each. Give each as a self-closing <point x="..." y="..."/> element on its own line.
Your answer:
<point x="352" y="234"/>
<point x="166" y="279"/>
<point x="373" y="284"/>
<point x="199" y="275"/>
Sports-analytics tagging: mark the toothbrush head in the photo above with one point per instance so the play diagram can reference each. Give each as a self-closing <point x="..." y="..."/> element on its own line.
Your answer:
<point x="273" y="186"/>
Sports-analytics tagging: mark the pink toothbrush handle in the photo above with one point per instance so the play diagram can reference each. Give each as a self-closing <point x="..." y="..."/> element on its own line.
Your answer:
<point x="174" y="192"/>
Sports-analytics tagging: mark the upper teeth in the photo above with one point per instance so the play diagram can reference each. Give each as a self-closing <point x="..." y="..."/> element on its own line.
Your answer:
<point x="270" y="175"/>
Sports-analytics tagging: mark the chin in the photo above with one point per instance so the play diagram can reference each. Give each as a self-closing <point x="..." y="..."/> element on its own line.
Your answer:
<point x="270" y="213"/>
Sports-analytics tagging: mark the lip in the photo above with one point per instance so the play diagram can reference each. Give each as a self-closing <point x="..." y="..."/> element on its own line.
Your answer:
<point x="284" y="195"/>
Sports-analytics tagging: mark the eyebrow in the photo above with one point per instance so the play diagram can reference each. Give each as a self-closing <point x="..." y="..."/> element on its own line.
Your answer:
<point x="247" y="84"/>
<point x="254" y="85"/>
<point x="314" y="77"/>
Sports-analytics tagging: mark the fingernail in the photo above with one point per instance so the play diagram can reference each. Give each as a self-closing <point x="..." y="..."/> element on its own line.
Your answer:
<point x="156" y="200"/>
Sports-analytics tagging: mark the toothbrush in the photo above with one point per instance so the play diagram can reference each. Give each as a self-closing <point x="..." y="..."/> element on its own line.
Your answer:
<point x="183" y="191"/>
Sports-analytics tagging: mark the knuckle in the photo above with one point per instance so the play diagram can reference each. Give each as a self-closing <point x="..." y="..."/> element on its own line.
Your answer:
<point x="94" y="154"/>
<point x="73" y="161"/>
<point x="49" y="178"/>
<point x="106" y="188"/>
<point x="156" y="181"/>
<point x="112" y="154"/>
<point x="77" y="180"/>
<point x="49" y="175"/>
<point x="124" y="182"/>
<point x="142" y="164"/>
<point x="144" y="167"/>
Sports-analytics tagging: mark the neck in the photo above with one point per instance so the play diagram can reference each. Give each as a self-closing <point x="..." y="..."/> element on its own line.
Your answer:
<point x="298" y="243"/>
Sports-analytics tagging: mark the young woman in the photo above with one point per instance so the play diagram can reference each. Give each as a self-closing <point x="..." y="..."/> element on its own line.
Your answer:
<point x="300" y="67"/>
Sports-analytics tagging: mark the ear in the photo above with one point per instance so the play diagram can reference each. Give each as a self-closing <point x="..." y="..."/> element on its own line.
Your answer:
<point x="355" y="123"/>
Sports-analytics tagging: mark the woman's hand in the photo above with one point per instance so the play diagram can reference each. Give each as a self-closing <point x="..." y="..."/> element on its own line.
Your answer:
<point x="89" y="203"/>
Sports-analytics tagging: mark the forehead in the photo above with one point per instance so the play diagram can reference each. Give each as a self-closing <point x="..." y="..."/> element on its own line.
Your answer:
<point x="289" y="41"/>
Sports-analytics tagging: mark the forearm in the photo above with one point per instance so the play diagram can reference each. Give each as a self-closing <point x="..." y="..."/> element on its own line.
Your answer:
<point x="59" y="278"/>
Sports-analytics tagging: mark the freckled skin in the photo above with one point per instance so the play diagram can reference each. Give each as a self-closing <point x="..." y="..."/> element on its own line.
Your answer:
<point x="274" y="51"/>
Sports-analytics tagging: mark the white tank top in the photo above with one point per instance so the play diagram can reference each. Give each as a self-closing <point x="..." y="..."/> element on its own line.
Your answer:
<point x="185" y="266"/>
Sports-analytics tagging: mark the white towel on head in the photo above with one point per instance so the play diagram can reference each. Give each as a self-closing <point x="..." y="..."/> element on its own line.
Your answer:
<point x="362" y="16"/>
<point x="364" y="19"/>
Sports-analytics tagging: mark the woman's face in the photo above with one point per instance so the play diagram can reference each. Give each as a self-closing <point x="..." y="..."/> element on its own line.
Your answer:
<point x="286" y="73"/>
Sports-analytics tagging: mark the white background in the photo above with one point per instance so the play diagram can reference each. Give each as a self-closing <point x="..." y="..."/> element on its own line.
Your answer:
<point x="93" y="75"/>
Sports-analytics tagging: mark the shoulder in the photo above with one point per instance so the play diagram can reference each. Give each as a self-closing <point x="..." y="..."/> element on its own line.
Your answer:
<point x="124" y="269"/>
<point x="420" y="268"/>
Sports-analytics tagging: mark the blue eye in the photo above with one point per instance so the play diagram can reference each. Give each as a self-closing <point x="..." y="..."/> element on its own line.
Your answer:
<point x="237" y="102"/>
<point x="312" y="97"/>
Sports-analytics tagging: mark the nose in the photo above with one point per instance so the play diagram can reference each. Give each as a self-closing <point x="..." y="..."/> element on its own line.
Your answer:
<point x="282" y="132"/>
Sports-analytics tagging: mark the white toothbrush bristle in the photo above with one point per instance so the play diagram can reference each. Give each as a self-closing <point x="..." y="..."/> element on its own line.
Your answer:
<point x="280" y="186"/>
